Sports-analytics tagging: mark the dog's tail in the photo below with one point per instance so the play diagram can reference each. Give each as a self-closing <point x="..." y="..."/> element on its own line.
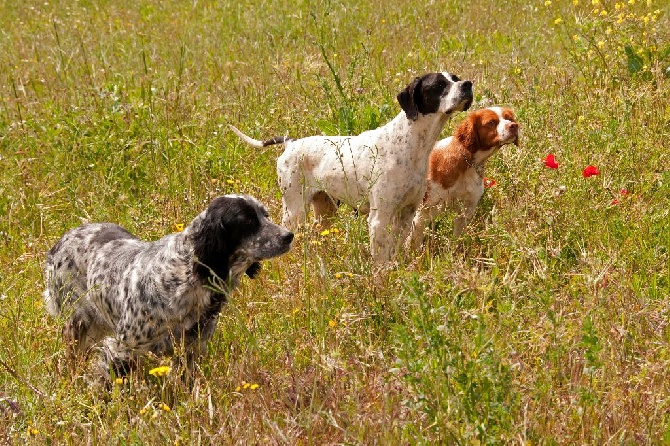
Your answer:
<point x="52" y="299"/>
<point x="257" y="143"/>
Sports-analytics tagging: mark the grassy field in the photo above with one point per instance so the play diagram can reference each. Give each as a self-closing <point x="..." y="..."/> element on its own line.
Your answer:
<point x="546" y="322"/>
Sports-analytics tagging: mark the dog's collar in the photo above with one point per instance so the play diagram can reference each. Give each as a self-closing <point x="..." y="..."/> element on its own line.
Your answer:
<point x="479" y="168"/>
<point x="469" y="162"/>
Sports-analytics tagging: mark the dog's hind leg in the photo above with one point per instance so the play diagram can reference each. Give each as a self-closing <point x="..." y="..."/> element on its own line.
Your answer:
<point x="82" y="330"/>
<point x="324" y="208"/>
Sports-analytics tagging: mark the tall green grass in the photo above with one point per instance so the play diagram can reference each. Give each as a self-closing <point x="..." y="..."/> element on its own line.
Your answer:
<point x="546" y="322"/>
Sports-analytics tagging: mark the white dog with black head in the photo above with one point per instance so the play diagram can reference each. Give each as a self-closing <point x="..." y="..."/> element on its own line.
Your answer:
<point x="381" y="172"/>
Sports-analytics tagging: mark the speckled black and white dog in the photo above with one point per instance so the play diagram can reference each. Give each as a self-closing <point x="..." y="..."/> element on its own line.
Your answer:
<point x="128" y="297"/>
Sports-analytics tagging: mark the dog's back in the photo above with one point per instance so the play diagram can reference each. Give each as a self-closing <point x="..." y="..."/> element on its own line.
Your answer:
<point x="68" y="262"/>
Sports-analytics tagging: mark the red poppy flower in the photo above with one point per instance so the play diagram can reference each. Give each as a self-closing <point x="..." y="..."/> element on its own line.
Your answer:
<point x="550" y="161"/>
<point x="590" y="171"/>
<point x="624" y="192"/>
<point x="489" y="183"/>
<point x="615" y="201"/>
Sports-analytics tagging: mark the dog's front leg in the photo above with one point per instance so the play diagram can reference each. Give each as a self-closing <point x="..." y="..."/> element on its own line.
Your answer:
<point x="467" y="212"/>
<point x="418" y="227"/>
<point x="404" y="224"/>
<point x="112" y="356"/>
<point x="381" y="238"/>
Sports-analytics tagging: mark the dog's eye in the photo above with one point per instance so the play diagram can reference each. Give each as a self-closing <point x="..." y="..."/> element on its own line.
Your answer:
<point x="490" y="123"/>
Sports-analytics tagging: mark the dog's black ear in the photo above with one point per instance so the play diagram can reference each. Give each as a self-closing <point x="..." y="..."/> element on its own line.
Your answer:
<point x="408" y="99"/>
<point x="210" y="242"/>
<point x="228" y="221"/>
<point x="254" y="269"/>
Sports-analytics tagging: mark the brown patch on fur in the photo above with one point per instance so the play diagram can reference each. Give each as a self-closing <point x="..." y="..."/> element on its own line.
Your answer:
<point x="447" y="164"/>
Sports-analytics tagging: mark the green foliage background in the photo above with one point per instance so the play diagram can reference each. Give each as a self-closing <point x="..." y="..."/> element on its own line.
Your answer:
<point x="546" y="322"/>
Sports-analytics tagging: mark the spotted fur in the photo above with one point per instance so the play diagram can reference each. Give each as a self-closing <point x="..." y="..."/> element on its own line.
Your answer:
<point x="127" y="297"/>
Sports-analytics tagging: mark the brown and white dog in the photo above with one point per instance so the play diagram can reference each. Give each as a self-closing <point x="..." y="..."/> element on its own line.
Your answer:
<point x="456" y="167"/>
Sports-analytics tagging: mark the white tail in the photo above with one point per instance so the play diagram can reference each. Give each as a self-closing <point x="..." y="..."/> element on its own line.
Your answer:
<point x="248" y="139"/>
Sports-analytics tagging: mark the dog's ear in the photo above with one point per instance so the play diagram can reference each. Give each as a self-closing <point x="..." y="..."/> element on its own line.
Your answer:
<point x="254" y="269"/>
<point x="466" y="133"/>
<point x="210" y="242"/>
<point x="409" y="99"/>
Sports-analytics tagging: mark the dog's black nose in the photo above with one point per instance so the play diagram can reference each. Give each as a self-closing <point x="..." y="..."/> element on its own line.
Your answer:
<point x="467" y="85"/>
<point x="288" y="237"/>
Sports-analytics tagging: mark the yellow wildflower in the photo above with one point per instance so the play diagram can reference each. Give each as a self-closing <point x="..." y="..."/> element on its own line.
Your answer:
<point x="631" y="2"/>
<point x="32" y="431"/>
<point x="246" y="385"/>
<point x="164" y="407"/>
<point x="332" y="323"/>
<point x="608" y="31"/>
<point x="558" y="21"/>
<point x="229" y="181"/>
<point x="178" y="227"/>
<point x="595" y="2"/>
<point x="119" y="381"/>
<point x="603" y="12"/>
<point x="253" y="386"/>
<point x="547" y="3"/>
<point x="580" y="118"/>
<point x="575" y="37"/>
<point x="238" y="388"/>
<point x="160" y="371"/>
<point x="325" y="232"/>
<point x="338" y="275"/>
<point x="601" y="44"/>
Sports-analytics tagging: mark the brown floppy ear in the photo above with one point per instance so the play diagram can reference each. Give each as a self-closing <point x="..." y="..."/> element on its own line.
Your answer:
<point x="407" y="99"/>
<point x="466" y="133"/>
